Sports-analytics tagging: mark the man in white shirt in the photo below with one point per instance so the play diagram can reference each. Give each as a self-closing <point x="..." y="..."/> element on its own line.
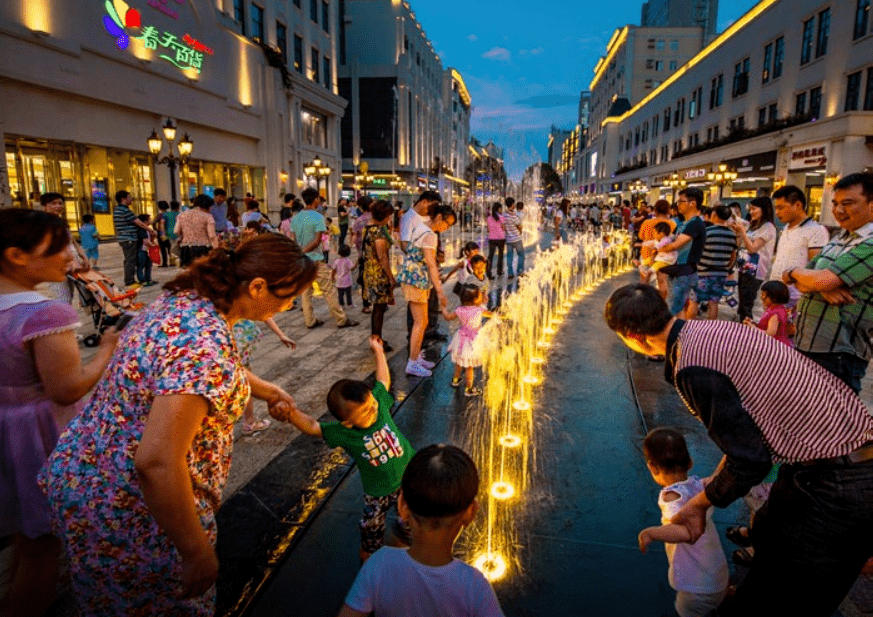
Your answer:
<point x="801" y="239"/>
<point x="416" y="215"/>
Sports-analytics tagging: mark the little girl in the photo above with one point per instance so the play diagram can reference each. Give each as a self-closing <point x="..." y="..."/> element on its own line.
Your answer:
<point x="775" y="322"/>
<point x="467" y="252"/>
<point x="463" y="346"/>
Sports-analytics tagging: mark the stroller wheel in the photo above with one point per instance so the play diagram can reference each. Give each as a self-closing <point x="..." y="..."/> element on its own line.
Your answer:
<point x="92" y="340"/>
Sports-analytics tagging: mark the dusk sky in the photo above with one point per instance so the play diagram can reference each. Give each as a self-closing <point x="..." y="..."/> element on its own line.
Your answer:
<point x="525" y="63"/>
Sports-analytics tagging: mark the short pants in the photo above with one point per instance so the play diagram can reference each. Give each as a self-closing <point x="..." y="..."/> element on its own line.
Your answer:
<point x="92" y="254"/>
<point x="373" y="521"/>
<point x="681" y="288"/>
<point x="710" y="288"/>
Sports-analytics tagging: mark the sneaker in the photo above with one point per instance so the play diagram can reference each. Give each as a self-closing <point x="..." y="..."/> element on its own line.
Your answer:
<point x="257" y="427"/>
<point x="414" y="368"/>
<point x="348" y="324"/>
<point x="426" y="363"/>
<point x="316" y="324"/>
<point x="456" y="382"/>
<point x="474" y="391"/>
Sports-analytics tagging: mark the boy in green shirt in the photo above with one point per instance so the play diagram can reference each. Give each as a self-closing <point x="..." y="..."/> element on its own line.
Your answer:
<point x="366" y="431"/>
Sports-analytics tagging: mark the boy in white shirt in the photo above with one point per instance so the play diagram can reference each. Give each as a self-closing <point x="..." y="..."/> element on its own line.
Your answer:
<point x="438" y="498"/>
<point x="698" y="572"/>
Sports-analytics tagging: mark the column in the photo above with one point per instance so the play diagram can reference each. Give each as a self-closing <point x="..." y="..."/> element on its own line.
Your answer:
<point x="5" y="193"/>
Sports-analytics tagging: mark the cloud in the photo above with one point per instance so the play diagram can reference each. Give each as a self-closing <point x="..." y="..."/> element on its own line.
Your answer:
<point x="500" y="54"/>
<point x="549" y="100"/>
<point x="537" y="51"/>
<point x="472" y="37"/>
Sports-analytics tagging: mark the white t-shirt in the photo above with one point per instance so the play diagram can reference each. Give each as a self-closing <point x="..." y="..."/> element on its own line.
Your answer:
<point x="794" y="244"/>
<point x="391" y="583"/>
<point x="765" y="253"/>
<point x="700" y="567"/>
<point x="408" y="222"/>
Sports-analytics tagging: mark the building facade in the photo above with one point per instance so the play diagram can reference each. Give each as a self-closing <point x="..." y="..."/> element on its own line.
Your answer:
<point x="407" y="115"/>
<point x="251" y="84"/>
<point x="681" y="13"/>
<point x="785" y="95"/>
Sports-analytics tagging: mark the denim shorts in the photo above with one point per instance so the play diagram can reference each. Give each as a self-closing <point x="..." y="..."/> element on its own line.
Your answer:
<point x="681" y="288"/>
<point x="710" y="288"/>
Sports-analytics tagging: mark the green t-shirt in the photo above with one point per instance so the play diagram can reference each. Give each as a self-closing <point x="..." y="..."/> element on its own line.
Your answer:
<point x="381" y="452"/>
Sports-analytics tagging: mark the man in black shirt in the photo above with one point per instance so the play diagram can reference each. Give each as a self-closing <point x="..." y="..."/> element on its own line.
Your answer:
<point x="690" y="240"/>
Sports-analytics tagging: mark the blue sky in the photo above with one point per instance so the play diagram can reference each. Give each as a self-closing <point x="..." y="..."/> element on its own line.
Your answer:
<point x="526" y="62"/>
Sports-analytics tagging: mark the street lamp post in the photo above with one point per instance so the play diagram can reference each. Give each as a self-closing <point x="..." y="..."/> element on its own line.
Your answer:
<point x="318" y="170"/>
<point x="185" y="146"/>
<point x="722" y="177"/>
<point x="675" y="183"/>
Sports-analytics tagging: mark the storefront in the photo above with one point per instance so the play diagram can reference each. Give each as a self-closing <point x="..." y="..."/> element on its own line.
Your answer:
<point x="755" y="175"/>
<point x="807" y="166"/>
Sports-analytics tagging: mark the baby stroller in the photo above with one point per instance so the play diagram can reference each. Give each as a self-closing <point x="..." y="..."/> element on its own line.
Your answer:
<point x="106" y="303"/>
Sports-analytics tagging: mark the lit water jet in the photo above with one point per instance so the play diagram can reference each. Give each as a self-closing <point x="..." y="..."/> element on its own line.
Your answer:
<point x="521" y="406"/>
<point x="510" y="441"/>
<point x="532" y="380"/>
<point x="537" y="360"/>
<point x="502" y="490"/>
<point x="544" y="344"/>
<point x="492" y="565"/>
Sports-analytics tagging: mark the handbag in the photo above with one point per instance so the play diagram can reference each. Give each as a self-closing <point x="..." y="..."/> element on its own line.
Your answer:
<point x="155" y="254"/>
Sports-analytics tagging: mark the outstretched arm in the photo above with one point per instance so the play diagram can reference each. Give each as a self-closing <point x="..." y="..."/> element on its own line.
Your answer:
<point x="286" y="412"/>
<point x="383" y="375"/>
<point x="278" y="332"/>
<point x="665" y="533"/>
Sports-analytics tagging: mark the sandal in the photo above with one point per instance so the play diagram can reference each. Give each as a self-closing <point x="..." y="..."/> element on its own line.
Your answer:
<point x="743" y="556"/>
<point x="366" y="310"/>
<point x="741" y="535"/>
<point x="456" y="382"/>
<point x="257" y="427"/>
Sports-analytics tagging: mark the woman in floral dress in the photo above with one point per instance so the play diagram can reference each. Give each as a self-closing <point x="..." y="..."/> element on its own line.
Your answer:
<point x="378" y="278"/>
<point x="135" y="481"/>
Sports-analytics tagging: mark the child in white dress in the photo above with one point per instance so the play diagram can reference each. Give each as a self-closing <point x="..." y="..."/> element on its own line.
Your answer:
<point x="465" y="353"/>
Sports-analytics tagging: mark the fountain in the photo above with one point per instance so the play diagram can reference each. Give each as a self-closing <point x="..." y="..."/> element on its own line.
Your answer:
<point x="502" y="436"/>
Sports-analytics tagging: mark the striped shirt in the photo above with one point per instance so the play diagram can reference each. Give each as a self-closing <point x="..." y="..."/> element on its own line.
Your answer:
<point x="761" y="401"/>
<point x="123" y="218"/>
<point x="847" y="328"/>
<point x="718" y="252"/>
<point x="511" y="222"/>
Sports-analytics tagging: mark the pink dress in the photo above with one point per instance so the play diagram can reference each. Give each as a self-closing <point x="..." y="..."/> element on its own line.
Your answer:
<point x="463" y="345"/>
<point x="29" y="419"/>
<point x="782" y="330"/>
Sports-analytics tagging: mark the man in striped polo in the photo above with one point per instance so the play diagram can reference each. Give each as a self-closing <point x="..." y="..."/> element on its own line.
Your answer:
<point x="125" y="222"/>
<point x="716" y="262"/>
<point x="764" y="403"/>
<point x="835" y="314"/>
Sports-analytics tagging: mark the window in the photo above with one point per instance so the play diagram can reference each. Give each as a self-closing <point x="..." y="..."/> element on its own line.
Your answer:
<point x="637" y="137"/>
<point x="772" y="113"/>
<point x="779" y="57"/>
<point x="257" y="23"/>
<point x="861" y="17"/>
<point x="815" y="102"/>
<point x="674" y="45"/>
<point x="868" y="95"/>
<point x="762" y="117"/>
<point x="768" y="60"/>
<point x="716" y="91"/>
<point x="800" y="104"/>
<point x="282" y="40"/>
<point x="806" y="42"/>
<point x="824" y="28"/>
<point x="741" y="78"/>
<point x="327" y="73"/>
<point x="650" y="63"/>
<point x="659" y="65"/>
<point x="314" y="128"/>
<point x="659" y="45"/>
<point x="313" y="10"/>
<point x="316" y="71"/>
<point x="696" y="103"/>
<point x="853" y="91"/>
<point x="239" y="14"/>
<point x="672" y="65"/>
<point x="657" y="119"/>
<point x="666" y="119"/>
<point x="298" y="54"/>
<point x="297" y="3"/>
<point x="325" y="16"/>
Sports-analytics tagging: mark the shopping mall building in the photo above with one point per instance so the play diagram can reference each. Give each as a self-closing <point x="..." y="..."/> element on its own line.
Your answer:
<point x="783" y="96"/>
<point x="251" y="85"/>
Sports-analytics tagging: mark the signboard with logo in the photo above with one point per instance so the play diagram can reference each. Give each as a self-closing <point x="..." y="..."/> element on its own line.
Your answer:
<point x="698" y="173"/>
<point x="811" y="156"/>
<point x="762" y="165"/>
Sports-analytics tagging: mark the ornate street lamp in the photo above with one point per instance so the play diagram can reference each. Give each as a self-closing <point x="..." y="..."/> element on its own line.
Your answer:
<point x="185" y="146"/>
<point x="722" y="177"/>
<point x="317" y="170"/>
<point x="676" y="183"/>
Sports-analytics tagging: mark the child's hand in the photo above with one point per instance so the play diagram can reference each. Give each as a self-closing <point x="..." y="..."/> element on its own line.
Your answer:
<point x="644" y="540"/>
<point x="281" y="411"/>
<point x="376" y="343"/>
<point x="287" y="342"/>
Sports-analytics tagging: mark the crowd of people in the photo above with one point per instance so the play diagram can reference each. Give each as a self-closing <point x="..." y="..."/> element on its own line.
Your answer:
<point x="778" y="398"/>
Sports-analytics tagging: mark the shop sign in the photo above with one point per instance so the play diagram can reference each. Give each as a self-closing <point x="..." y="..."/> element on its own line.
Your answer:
<point x="161" y="5"/>
<point x="804" y="157"/>
<point x="379" y="182"/>
<point x="124" y="23"/>
<point x="616" y="186"/>
<point x="695" y="174"/>
<point x="763" y="164"/>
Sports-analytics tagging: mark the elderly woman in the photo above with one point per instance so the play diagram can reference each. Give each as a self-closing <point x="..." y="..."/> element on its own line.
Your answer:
<point x="195" y="229"/>
<point x="136" y="480"/>
<point x="419" y="273"/>
<point x="43" y="380"/>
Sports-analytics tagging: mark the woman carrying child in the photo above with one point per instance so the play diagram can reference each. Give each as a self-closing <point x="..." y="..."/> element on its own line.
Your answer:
<point x="378" y="279"/>
<point x="465" y="353"/>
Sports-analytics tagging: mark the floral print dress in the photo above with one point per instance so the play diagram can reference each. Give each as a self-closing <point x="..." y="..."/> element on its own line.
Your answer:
<point x="121" y="561"/>
<point x="379" y="289"/>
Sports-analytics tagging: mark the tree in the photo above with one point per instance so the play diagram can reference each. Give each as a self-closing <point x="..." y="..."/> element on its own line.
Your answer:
<point x="550" y="181"/>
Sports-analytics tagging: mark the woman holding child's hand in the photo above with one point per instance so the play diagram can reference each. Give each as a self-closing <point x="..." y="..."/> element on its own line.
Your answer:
<point x="138" y="476"/>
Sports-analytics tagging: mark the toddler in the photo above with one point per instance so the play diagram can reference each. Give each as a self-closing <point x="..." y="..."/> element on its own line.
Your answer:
<point x="342" y="270"/>
<point x="465" y="354"/>
<point x="90" y="239"/>
<point x="774" y="321"/>
<point x="468" y="251"/>
<point x="698" y="572"/>
<point x="143" y="259"/>
<point x="660" y="259"/>
<point x="438" y="499"/>
<point x="366" y="431"/>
